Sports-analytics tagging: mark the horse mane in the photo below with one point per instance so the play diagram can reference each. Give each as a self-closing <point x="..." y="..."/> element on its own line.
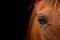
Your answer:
<point x="55" y="3"/>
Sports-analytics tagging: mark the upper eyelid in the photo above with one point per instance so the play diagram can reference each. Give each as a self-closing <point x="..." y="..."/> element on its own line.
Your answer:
<point x="44" y="13"/>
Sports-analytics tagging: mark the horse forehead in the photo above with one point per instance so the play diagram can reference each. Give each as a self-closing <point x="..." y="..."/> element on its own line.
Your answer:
<point x="44" y="9"/>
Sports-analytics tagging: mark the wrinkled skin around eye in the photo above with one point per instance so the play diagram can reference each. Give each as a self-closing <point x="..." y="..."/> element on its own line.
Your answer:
<point x="52" y="31"/>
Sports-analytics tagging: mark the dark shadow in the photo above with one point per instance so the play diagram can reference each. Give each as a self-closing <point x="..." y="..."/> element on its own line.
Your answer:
<point x="23" y="14"/>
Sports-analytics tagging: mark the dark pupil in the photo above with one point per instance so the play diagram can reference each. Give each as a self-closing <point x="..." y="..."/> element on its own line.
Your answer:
<point x="42" y="20"/>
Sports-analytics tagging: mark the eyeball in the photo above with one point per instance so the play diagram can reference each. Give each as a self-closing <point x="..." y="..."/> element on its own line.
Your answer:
<point x="42" y="20"/>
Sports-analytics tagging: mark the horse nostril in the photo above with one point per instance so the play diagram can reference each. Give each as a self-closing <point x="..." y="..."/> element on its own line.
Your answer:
<point x="42" y="20"/>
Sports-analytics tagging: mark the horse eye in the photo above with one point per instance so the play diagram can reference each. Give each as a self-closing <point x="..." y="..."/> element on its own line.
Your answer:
<point x="42" y="20"/>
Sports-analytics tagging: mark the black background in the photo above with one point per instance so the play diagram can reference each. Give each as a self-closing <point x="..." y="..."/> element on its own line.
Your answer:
<point x="22" y="17"/>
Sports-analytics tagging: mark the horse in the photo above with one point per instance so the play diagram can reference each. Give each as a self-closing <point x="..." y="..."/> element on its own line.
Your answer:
<point x="44" y="22"/>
